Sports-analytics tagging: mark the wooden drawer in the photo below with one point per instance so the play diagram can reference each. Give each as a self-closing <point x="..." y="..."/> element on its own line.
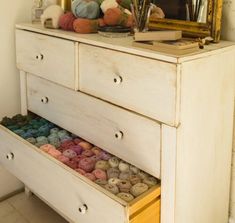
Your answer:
<point x="48" y="57"/>
<point x="66" y="190"/>
<point x="140" y="84"/>
<point x="127" y="135"/>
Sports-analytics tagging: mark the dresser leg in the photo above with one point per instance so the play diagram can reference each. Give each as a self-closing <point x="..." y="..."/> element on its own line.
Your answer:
<point x="28" y="192"/>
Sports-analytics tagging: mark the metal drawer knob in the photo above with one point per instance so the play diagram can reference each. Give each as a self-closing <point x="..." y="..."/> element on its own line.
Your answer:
<point x="83" y="209"/>
<point x="10" y="156"/>
<point x="39" y="56"/>
<point x="117" y="79"/>
<point x="44" y="100"/>
<point x="119" y="135"/>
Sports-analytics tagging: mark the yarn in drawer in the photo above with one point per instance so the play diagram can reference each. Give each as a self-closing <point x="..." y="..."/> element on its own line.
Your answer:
<point x="115" y="175"/>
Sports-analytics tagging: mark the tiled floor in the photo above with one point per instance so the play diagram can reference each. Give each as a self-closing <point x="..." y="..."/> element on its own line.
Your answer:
<point x="23" y="209"/>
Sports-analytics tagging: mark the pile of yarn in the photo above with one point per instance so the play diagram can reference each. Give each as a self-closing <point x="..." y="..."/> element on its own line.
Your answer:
<point x="115" y="175"/>
<point x="88" y="15"/>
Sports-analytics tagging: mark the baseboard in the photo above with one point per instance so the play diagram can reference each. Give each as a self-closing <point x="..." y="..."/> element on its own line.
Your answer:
<point x="12" y="194"/>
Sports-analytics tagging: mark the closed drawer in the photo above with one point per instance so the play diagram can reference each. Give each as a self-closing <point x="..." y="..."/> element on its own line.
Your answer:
<point x="140" y="84"/>
<point x="127" y="135"/>
<point x="48" y="57"/>
<point x="64" y="189"/>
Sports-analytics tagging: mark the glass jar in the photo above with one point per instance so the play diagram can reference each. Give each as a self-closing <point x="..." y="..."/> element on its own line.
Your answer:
<point x="37" y="11"/>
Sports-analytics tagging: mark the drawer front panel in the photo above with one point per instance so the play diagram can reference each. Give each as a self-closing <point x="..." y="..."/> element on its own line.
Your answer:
<point x="129" y="136"/>
<point x="56" y="184"/>
<point x="143" y="85"/>
<point x="48" y="57"/>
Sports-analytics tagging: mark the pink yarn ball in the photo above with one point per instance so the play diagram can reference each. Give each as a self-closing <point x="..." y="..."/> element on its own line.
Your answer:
<point x="77" y="141"/>
<point x="87" y="153"/>
<point x="100" y="174"/>
<point x="66" y="144"/>
<point x="81" y="171"/>
<point x="85" y="145"/>
<point x="69" y="153"/>
<point x="54" y="152"/>
<point x="87" y="164"/>
<point x="78" y="158"/>
<point x="90" y="176"/>
<point x="46" y="147"/>
<point x="76" y="148"/>
<point x="72" y="164"/>
<point x="66" y="21"/>
<point x="63" y="158"/>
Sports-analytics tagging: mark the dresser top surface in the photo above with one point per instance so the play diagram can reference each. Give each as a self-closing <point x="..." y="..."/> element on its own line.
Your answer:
<point x="125" y="44"/>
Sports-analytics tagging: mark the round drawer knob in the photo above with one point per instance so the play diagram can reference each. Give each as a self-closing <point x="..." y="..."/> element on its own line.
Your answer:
<point x="44" y="100"/>
<point x="39" y="56"/>
<point x="10" y="156"/>
<point x="117" y="80"/>
<point x="119" y="135"/>
<point x="83" y="209"/>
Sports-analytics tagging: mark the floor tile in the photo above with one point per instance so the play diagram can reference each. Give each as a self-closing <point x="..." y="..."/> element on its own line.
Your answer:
<point x="34" y="210"/>
<point x="13" y="217"/>
<point x="5" y="209"/>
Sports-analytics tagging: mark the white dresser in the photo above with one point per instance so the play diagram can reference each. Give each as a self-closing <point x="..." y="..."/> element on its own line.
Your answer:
<point x="171" y="116"/>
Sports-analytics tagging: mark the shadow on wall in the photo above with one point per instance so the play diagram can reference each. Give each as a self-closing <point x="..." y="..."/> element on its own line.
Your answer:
<point x="20" y="11"/>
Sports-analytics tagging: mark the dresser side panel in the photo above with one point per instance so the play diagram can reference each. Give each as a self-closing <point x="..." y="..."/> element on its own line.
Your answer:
<point x="204" y="139"/>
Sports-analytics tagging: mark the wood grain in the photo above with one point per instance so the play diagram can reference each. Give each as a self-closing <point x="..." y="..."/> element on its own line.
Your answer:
<point x="56" y="183"/>
<point x="143" y="200"/>
<point x="204" y="140"/>
<point x="58" y="62"/>
<point x="150" y="214"/>
<point x="168" y="173"/>
<point x="125" y="44"/>
<point x="147" y="86"/>
<point x="98" y="122"/>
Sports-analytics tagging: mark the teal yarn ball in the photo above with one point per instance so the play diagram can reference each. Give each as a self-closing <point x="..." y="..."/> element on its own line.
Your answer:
<point x="86" y="9"/>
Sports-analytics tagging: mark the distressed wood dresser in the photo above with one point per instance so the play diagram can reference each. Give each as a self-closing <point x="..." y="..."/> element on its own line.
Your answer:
<point x="171" y="116"/>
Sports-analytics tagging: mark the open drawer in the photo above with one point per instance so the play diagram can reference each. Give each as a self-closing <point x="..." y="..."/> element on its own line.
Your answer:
<point x="125" y="134"/>
<point x="70" y="193"/>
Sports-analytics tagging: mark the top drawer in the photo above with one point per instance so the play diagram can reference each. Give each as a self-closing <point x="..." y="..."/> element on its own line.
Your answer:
<point x="140" y="84"/>
<point x="48" y="57"/>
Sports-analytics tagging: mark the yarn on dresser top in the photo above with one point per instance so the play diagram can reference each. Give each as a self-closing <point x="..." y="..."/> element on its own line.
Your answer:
<point x="86" y="9"/>
<point x="66" y="21"/>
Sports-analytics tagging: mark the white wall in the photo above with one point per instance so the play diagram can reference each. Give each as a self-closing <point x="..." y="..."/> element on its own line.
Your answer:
<point x="228" y="33"/>
<point x="228" y="21"/>
<point x="11" y="12"/>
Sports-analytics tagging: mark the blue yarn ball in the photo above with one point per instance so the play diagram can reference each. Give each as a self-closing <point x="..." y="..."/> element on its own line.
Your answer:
<point x="86" y="9"/>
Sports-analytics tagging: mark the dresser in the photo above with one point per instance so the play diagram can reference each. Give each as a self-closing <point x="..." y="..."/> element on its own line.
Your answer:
<point x="169" y="115"/>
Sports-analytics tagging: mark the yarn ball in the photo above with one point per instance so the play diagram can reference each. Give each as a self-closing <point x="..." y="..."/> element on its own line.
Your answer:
<point x="157" y="13"/>
<point x="85" y="145"/>
<point x="90" y="176"/>
<point x="76" y="148"/>
<point x="72" y="164"/>
<point x="52" y="12"/>
<point x="86" y="26"/>
<point x="63" y="158"/>
<point x="66" y="21"/>
<point x="115" y="16"/>
<point x="81" y="171"/>
<point x="87" y="164"/>
<point x="100" y="174"/>
<point x="54" y="152"/>
<point x="107" y="4"/>
<point x="88" y="9"/>
<point x="112" y="16"/>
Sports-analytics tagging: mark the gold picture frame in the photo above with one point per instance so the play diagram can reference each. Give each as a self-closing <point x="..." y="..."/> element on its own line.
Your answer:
<point x="211" y="28"/>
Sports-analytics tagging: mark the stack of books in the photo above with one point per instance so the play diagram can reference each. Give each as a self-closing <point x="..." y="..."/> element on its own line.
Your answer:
<point x="165" y="41"/>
